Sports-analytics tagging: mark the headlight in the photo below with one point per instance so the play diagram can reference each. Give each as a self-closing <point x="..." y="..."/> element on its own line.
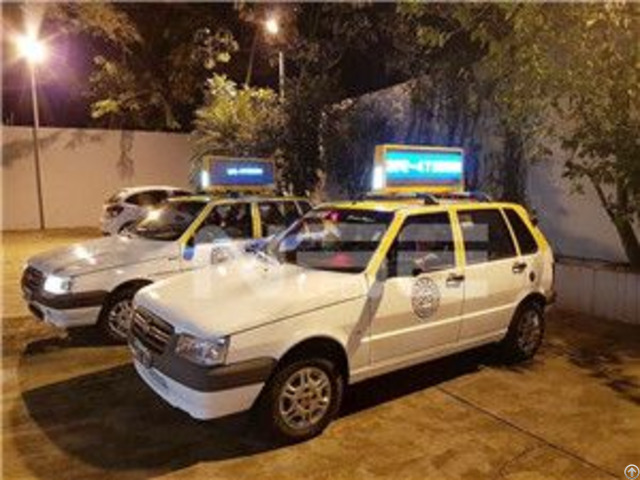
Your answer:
<point x="55" y="284"/>
<point x="203" y="352"/>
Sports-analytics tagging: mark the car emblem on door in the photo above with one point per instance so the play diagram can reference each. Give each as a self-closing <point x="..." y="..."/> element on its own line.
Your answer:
<point x="425" y="297"/>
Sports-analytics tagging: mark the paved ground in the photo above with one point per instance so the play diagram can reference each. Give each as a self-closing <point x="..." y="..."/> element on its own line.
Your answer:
<point x="74" y="408"/>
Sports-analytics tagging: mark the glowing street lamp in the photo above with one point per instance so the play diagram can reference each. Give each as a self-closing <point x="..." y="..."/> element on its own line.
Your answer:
<point x="34" y="52"/>
<point x="272" y="28"/>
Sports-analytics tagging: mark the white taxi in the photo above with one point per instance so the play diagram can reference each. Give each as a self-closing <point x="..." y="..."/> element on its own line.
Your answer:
<point x="94" y="282"/>
<point x="351" y="291"/>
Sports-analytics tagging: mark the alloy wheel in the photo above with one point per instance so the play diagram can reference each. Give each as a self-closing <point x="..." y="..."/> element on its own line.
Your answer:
<point x="305" y="398"/>
<point x="119" y="318"/>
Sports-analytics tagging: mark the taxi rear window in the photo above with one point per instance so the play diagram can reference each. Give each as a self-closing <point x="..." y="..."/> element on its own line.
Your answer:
<point x="524" y="236"/>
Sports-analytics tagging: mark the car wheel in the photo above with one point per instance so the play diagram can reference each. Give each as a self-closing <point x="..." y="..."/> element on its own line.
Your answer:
<point x="525" y="333"/>
<point x="117" y="312"/>
<point x="301" y="399"/>
<point x="126" y="227"/>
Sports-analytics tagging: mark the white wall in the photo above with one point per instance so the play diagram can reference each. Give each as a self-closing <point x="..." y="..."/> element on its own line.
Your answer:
<point x="80" y="169"/>
<point x="599" y="291"/>
<point x="575" y="223"/>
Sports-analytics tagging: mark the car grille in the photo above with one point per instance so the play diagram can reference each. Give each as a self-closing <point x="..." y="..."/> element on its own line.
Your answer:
<point x="153" y="332"/>
<point x="32" y="279"/>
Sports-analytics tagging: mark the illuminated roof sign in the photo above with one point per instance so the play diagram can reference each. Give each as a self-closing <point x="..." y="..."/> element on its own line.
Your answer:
<point x="228" y="173"/>
<point x="418" y="168"/>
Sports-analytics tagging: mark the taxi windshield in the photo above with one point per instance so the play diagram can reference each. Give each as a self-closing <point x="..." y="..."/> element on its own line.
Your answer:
<point x="342" y="240"/>
<point x="169" y="221"/>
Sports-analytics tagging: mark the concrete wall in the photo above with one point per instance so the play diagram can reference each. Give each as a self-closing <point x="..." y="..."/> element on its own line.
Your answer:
<point x="80" y="169"/>
<point x="599" y="291"/>
<point x="576" y="224"/>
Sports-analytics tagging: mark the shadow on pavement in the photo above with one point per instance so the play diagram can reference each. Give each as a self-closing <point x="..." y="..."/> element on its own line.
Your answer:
<point x="75" y="337"/>
<point x="605" y="350"/>
<point x="111" y="421"/>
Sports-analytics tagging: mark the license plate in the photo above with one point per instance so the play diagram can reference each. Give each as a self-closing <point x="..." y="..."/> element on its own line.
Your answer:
<point x="141" y="353"/>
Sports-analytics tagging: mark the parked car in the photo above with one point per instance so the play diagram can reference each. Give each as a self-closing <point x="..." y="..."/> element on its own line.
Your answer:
<point x="351" y="291"/>
<point x="123" y="209"/>
<point x="94" y="282"/>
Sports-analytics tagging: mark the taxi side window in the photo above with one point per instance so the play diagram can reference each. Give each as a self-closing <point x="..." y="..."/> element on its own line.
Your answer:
<point x="528" y="244"/>
<point x="149" y="198"/>
<point x="304" y="206"/>
<point x="486" y="236"/>
<point x="276" y="216"/>
<point x="425" y="244"/>
<point x="228" y="221"/>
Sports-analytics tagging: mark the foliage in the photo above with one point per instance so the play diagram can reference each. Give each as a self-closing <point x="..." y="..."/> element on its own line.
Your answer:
<point x="154" y="72"/>
<point x="566" y="72"/>
<point x="238" y="121"/>
<point x="100" y="20"/>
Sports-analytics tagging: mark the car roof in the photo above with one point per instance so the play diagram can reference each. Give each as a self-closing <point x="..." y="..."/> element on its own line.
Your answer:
<point x="206" y="198"/>
<point x="413" y="206"/>
<point x="147" y="188"/>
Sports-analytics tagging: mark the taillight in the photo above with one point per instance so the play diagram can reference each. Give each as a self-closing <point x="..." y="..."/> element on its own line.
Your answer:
<point x="114" y="210"/>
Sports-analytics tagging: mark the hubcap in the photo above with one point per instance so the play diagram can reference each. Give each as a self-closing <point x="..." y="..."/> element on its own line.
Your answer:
<point x="529" y="332"/>
<point x="120" y="318"/>
<point x="305" y="398"/>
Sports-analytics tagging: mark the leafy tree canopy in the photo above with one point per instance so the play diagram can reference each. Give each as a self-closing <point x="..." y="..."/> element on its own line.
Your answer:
<point x="565" y="72"/>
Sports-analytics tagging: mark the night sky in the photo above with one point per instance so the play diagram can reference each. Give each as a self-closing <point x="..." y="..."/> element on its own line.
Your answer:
<point x="63" y="78"/>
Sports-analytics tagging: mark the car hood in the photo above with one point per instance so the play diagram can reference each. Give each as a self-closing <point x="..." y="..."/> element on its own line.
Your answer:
<point x="245" y="293"/>
<point x="101" y="254"/>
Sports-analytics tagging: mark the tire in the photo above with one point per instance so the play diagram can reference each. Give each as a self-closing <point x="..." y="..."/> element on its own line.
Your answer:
<point x="302" y="413"/>
<point x="111" y="322"/>
<point x="525" y="333"/>
<point x="126" y="227"/>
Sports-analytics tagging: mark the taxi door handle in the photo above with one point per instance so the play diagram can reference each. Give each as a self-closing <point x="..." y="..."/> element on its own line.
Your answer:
<point x="518" y="267"/>
<point x="454" y="279"/>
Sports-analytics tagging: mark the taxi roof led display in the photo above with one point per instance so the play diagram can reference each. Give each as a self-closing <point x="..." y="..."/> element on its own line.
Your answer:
<point x="244" y="172"/>
<point x="426" y="167"/>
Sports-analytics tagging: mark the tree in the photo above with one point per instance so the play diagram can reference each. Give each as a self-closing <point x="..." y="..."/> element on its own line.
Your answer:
<point x="153" y="72"/>
<point x="238" y="121"/>
<point x="566" y="72"/>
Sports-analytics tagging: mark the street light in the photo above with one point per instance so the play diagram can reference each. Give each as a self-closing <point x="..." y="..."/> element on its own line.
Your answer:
<point x="272" y="28"/>
<point x="34" y="52"/>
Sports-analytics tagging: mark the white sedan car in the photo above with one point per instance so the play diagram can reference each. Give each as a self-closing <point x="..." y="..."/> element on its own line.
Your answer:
<point x="123" y="209"/>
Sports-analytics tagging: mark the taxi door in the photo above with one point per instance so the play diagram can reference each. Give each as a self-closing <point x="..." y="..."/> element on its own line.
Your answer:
<point x="221" y="234"/>
<point x="420" y="307"/>
<point x="495" y="275"/>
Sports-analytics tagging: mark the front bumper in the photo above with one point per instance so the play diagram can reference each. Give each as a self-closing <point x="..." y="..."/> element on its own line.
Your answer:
<point x="200" y="405"/>
<point x="66" y="310"/>
<point x="203" y="392"/>
<point x="75" y="317"/>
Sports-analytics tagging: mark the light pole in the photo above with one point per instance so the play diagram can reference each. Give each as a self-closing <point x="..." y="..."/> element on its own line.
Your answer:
<point x="33" y="51"/>
<point x="272" y="28"/>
